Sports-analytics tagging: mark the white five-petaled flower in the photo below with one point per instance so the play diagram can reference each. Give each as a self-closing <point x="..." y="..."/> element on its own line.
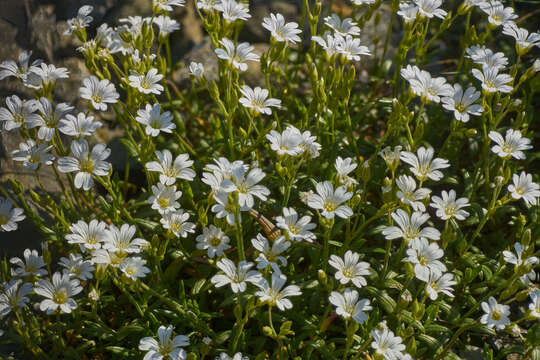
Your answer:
<point x="423" y="166"/>
<point x="49" y="117"/>
<point x="233" y="10"/>
<point x="133" y="267"/>
<point x="425" y="257"/>
<point x="518" y="259"/>
<point x="236" y="276"/>
<point x="280" y="30"/>
<point x="274" y="295"/>
<point x="270" y="254"/>
<point x="409" y="194"/>
<point x="343" y="168"/>
<point x="86" y="163"/>
<point x="492" y="81"/>
<point x="33" y="264"/>
<point x="342" y="27"/>
<point x="19" y="113"/>
<point x="18" y="69"/>
<point x="297" y="229"/>
<point x="244" y="183"/>
<point x="13" y="296"/>
<point x="462" y="103"/>
<point x="196" y="69"/>
<point x="166" y="25"/>
<point x="225" y="208"/>
<point x="425" y="86"/>
<point x="362" y="2"/>
<point x="169" y="170"/>
<point x="99" y="92"/>
<point x="81" y="21"/>
<point x="496" y="315"/>
<point x="33" y="155"/>
<point x="350" y="47"/>
<point x="236" y="55"/>
<point x="329" y="201"/>
<point x="524" y="188"/>
<point x="43" y="75"/>
<point x="448" y="207"/>
<point x="9" y="215"/>
<point x="58" y="293"/>
<point x="75" y="266"/>
<point x="512" y="145"/>
<point x="78" y="126"/>
<point x="349" y="306"/>
<point x="408" y="12"/>
<point x="237" y="356"/>
<point x="386" y="344"/>
<point x="391" y="156"/>
<point x="165" y="347"/>
<point x="498" y="14"/>
<point x="88" y="236"/>
<point x="328" y="42"/>
<point x="214" y="240"/>
<point x="486" y="57"/>
<point x="286" y="143"/>
<point x="437" y="283"/>
<point x="534" y="306"/>
<point x="147" y="83"/>
<point x="430" y="8"/>
<point x="164" y="198"/>
<point x="409" y="228"/>
<point x="167" y="5"/>
<point x="350" y="269"/>
<point x="257" y="99"/>
<point x="154" y="120"/>
<point x="121" y="240"/>
<point x="176" y="222"/>
<point x="524" y="40"/>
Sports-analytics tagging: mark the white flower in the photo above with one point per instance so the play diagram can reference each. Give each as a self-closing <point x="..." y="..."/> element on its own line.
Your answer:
<point x="308" y="142"/>
<point x="154" y="120"/>
<point x="498" y="14"/>
<point x="462" y="103"/>
<point x="534" y="306"/>
<point x="408" y="194"/>
<point x="221" y="170"/>
<point x="237" y="356"/>
<point x="496" y="315"/>
<point x="164" y="198"/>
<point x="214" y="240"/>
<point x="79" y="126"/>
<point x="425" y="86"/>
<point x="351" y="48"/>
<point x="437" y="283"/>
<point x="328" y="42"/>
<point x="85" y="163"/>
<point x="423" y="166"/>
<point x="236" y="276"/>
<point x="121" y="240"/>
<point x="425" y="257"/>
<point x="512" y="145"/>
<point x="167" y="5"/>
<point x="133" y="268"/>
<point x="13" y="296"/>
<point x="207" y="5"/>
<point x="524" y="40"/>
<point x="257" y="99"/>
<point x="81" y="21"/>
<point x="361" y="2"/>
<point x="176" y="222"/>
<point x="329" y="201"/>
<point x="448" y="207"/>
<point x="281" y="31"/>
<point x="409" y="228"/>
<point x="408" y="12"/>
<point x="274" y="295"/>
<point x="391" y="157"/>
<point x="485" y="57"/>
<point x="196" y="69"/>
<point x="99" y="92"/>
<point x="518" y="259"/>
<point x="43" y="76"/>
<point x="388" y="345"/>
<point x="342" y="27"/>
<point x="18" y="69"/>
<point x="233" y="10"/>
<point x="286" y="143"/>
<point x="297" y="229"/>
<point x="224" y="208"/>
<point x="236" y="55"/>
<point x="49" y="117"/>
<point x="343" y="168"/>
<point x="348" y="306"/>
<point x="350" y="269"/>
<point x="169" y="170"/>
<point x="524" y="188"/>
<point x="89" y="236"/>
<point x="492" y="81"/>
<point x="430" y="8"/>
<point x="245" y="184"/>
<point x="33" y="155"/>
<point x="76" y="267"/>
<point x="270" y="255"/>
<point x="147" y="83"/>
<point x="58" y="293"/>
<point x="32" y="265"/>
<point x="166" y="25"/>
<point x="19" y="113"/>
<point x="165" y="347"/>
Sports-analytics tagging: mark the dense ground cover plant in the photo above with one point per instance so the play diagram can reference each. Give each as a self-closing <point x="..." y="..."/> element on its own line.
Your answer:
<point x="313" y="217"/>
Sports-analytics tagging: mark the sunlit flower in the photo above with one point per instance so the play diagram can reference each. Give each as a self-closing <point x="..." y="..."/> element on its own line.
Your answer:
<point x="409" y="228"/>
<point x="342" y="27"/>
<point x="518" y="259"/>
<point x="297" y="229"/>
<point x="408" y="194"/>
<point x="58" y="293"/>
<point x="232" y="10"/>
<point x="99" y="92"/>
<point x="154" y="120"/>
<point x="423" y="166"/>
<point x="225" y="208"/>
<point x="408" y="12"/>
<point x="351" y="48"/>
<point x="49" y="117"/>
<point x="425" y="257"/>
<point x="524" y="188"/>
<point x="167" y="5"/>
<point x="13" y="297"/>
<point x="81" y="21"/>
<point x="236" y="276"/>
<point x="343" y="168"/>
<point x="43" y="75"/>
<point x="425" y="86"/>
<point x="164" y="198"/>
<point x="121" y="240"/>
<point x="280" y="30"/>
<point x="524" y="40"/>
<point x="214" y="240"/>
<point x="133" y="268"/>
<point x="463" y="103"/>
<point x="329" y="201"/>
<point x="437" y="283"/>
<point x="78" y="126"/>
<point x="237" y="356"/>
<point x="257" y="99"/>
<point x="286" y="143"/>
<point x="76" y="267"/>
<point x="498" y="14"/>
<point x="349" y="306"/>
<point x="269" y="255"/>
<point x="88" y="236"/>
<point x="169" y="170"/>
<point x="176" y="222"/>
<point x="328" y="42"/>
<point x="165" y="347"/>
<point x="86" y="163"/>
<point x="245" y="184"/>
<point x="350" y="269"/>
<point x="236" y="55"/>
<point x="196" y="69"/>
<point x="166" y="25"/>
<point x="512" y="145"/>
<point x="274" y="295"/>
<point x="391" y="156"/>
<point x="147" y="83"/>
<point x="17" y="69"/>
<point x="448" y="207"/>
<point x="534" y="306"/>
<point x="496" y="315"/>
<point x="492" y="81"/>
<point x="32" y="155"/>
<point x="19" y="113"/>
<point x="430" y="8"/>
<point x="33" y="264"/>
<point x="388" y="345"/>
<point x="485" y="57"/>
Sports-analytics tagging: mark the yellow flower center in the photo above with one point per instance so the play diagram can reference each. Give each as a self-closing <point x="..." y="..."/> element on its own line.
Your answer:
<point x="86" y="165"/>
<point x="163" y="202"/>
<point x="496" y="316"/>
<point x="60" y="296"/>
<point x="215" y="241"/>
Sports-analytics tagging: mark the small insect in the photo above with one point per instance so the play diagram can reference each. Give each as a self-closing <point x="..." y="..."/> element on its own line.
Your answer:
<point x="271" y="231"/>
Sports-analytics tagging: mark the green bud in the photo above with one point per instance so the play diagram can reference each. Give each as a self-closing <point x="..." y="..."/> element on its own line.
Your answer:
<point x="418" y="310"/>
<point x="526" y="238"/>
<point x="101" y="271"/>
<point x="323" y="279"/>
<point x="192" y="356"/>
<point x="16" y="186"/>
<point x="238" y="312"/>
<point x="267" y="331"/>
<point x="35" y="196"/>
<point x="409" y="269"/>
